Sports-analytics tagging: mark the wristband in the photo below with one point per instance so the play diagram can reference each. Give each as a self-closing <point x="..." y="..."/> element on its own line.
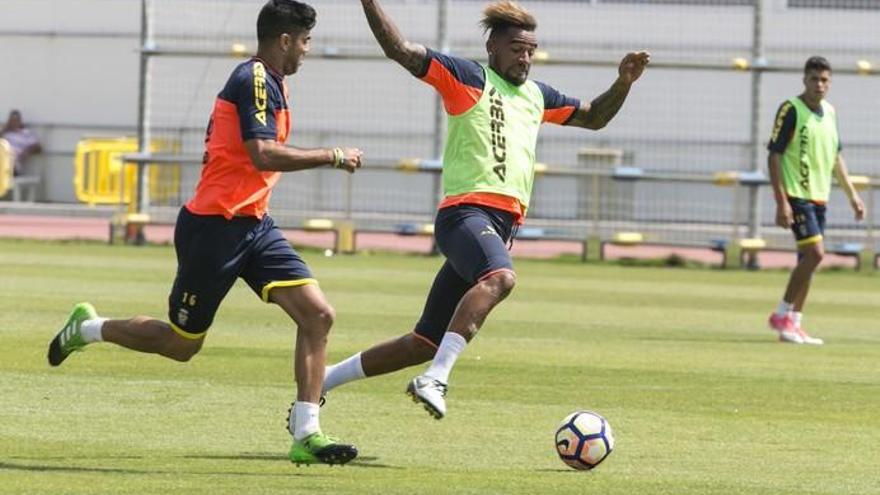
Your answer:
<point x="338" y="157"/>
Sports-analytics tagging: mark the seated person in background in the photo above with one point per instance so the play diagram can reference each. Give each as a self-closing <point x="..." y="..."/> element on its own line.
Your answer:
<point x="23" y="140"/>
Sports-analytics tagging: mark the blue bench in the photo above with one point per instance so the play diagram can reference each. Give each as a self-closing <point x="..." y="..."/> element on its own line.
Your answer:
<point x="848" y="249"/>
<point x="530" y="233"/>
<point x="414" y="229"/>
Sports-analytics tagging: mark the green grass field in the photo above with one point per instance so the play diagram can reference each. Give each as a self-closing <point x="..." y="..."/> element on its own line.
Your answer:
<point x="701" y="397"/>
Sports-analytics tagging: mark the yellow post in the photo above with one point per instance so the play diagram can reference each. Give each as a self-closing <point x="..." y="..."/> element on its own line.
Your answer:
<point x="733" y="251"/>
<point x="864" y="184"/>
<point x="6" y="166"/>
<point x="345" y="237"/>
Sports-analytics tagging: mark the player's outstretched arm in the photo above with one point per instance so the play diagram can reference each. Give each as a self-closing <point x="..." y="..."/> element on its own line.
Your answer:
<point x="844" y="182"/>
<point x="597" y="114"/>
<point x="271" y="156"/>
<point x="412" y="56"/>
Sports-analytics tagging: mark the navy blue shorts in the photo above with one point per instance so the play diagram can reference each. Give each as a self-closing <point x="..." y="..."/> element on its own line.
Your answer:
<point x="474" y="240"/>
<point x="809" y="221"/>
<point x="212" y="252"/>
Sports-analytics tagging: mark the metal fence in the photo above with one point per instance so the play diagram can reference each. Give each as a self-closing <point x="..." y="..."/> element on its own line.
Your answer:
<point x="720" y="68"/>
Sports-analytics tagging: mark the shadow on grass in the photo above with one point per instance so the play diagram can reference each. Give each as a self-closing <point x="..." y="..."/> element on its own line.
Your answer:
<point x="362" y="461"/>
<point x="71" y="469"/>
<point x="246" y="456"/>
<point x="560" y="470"/>
<point x="708" y="339"/>
<point x="7" y="466"/>
<point x="370" y="462"/>
<point x="79" y="457"/>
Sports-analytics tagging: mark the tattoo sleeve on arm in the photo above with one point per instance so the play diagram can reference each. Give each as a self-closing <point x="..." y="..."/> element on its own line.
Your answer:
<point x="602" y="109"/>
<point x="412" y="56"/>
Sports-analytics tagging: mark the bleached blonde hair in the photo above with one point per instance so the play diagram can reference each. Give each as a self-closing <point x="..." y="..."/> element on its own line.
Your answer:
<point x="503" y="14"/>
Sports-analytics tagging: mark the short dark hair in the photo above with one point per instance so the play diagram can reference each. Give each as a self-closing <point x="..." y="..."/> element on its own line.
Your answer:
<point x="278" y="17"/>
<point x="817" y="63"/>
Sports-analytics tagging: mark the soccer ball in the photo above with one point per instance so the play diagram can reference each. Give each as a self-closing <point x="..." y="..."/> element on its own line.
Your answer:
<point x="584" y="439"/>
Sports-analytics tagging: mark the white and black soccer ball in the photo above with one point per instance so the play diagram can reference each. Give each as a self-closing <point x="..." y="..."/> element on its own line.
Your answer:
<point x="584" y="439"/>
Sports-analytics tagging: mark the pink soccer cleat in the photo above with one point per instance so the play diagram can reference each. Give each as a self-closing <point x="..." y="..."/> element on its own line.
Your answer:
<point x="807" y="339"/>
<point x="784" y="325"/>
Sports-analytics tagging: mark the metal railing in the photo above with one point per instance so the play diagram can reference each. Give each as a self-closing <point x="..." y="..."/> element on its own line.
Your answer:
<point x="605" y="212"/>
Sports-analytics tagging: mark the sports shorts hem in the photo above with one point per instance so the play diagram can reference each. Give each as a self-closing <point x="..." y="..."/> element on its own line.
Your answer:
<point x="493" y="272"/>
<point x="285" y="283"/>
<point x="426" y="340"/>
<point x="810" y="240"/>
<point x="187" y="335"/>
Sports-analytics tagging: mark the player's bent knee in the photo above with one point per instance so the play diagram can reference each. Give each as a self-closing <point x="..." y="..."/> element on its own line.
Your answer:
<point x="319" y="319"/>
<point x="815" y="254"/>
<point x="181" y="356"/>
<point x="501" y="283"/>
<point x="326" y="316"/>
<point x="181" y="349"/>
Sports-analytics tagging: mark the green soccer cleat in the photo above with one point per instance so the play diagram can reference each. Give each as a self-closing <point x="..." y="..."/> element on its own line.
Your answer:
<point x="318" y="448"/>
<point x="69" y="339"/>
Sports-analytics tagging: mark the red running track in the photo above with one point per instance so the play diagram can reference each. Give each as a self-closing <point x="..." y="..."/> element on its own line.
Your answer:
<point x="97" y="229"/>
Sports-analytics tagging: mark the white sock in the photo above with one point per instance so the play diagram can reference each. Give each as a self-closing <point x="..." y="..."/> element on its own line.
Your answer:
<point x="91" y="330"/>
<point x="450" y="347"/>
<point x="784" y="308"/>
<point x="797" y="317"/>
<point x="343" y="372"/>
<point x="305" y="419"/>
